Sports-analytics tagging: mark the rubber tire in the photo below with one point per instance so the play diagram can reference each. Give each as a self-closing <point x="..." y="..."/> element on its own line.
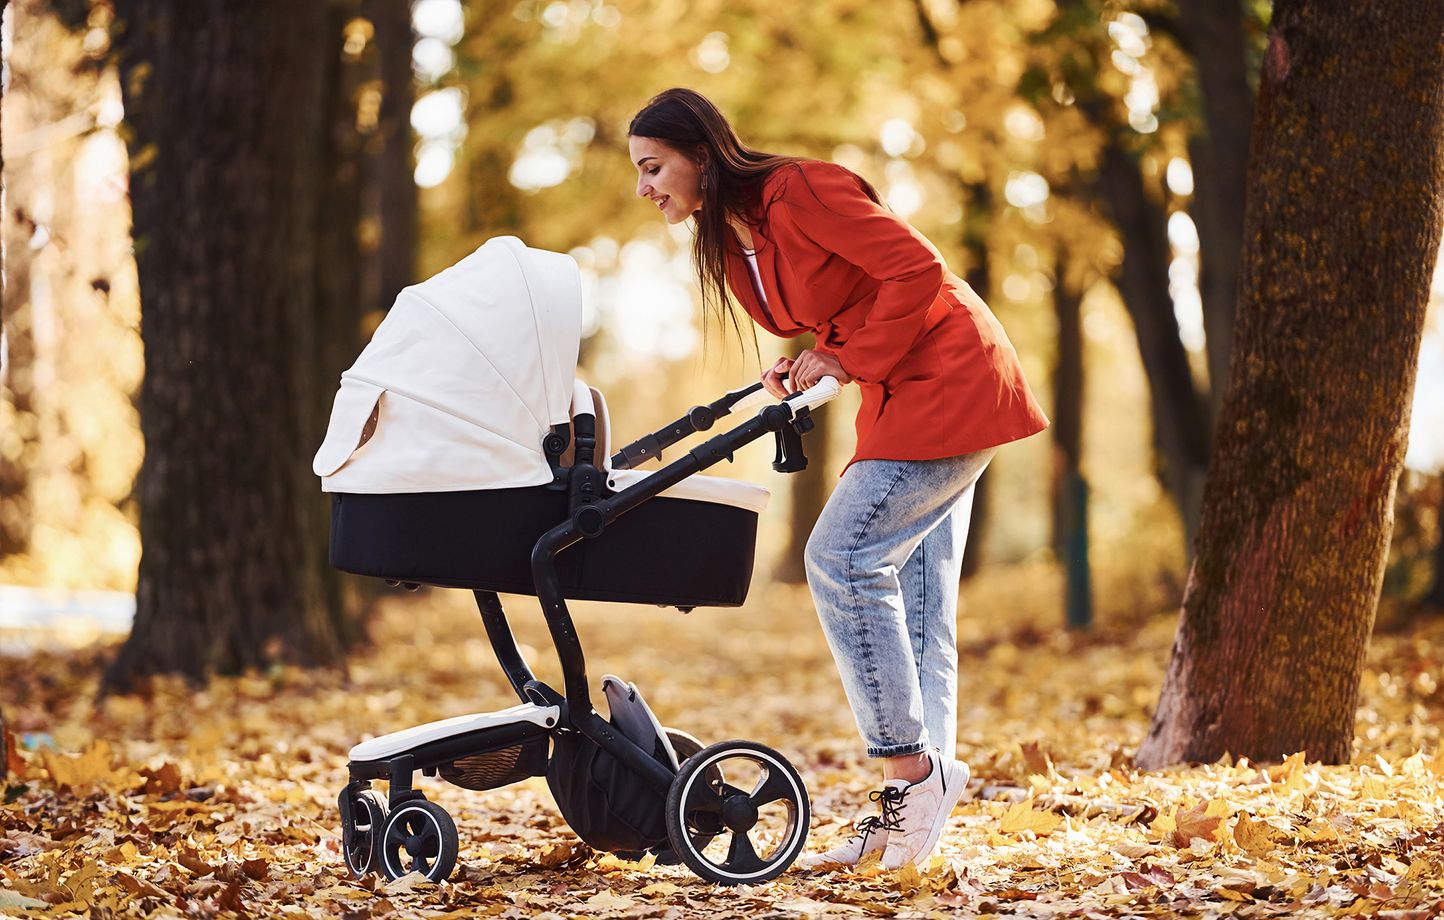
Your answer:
<point x="375" y="804"/>
<point x="684" y="745"/>
<point x="706" y="759"/>
<point x="444" y="861"/>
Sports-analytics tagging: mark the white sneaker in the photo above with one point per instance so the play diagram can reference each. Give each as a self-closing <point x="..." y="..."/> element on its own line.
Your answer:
<point x="871" y="832"/>
<point x="924" y="811"/>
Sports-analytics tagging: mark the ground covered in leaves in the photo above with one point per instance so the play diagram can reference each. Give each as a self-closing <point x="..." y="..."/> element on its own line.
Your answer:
<point x="222" y="802"/>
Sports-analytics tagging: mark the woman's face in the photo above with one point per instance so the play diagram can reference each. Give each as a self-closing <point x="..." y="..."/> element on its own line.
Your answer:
<point x="667" y="177"/>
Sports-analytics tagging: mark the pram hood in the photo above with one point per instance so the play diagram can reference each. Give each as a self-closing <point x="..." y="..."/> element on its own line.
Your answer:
<point x="462" y="380"/>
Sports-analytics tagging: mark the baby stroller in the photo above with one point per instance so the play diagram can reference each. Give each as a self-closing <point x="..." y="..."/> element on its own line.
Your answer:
<point x="462" y="452"/>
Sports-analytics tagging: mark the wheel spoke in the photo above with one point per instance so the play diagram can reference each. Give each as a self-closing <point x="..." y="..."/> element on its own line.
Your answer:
<point x="741" y="856"/>
<point x="770" y="788"/>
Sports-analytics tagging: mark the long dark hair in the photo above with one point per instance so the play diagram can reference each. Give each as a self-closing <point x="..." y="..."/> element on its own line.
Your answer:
<point x="686" y="120"/>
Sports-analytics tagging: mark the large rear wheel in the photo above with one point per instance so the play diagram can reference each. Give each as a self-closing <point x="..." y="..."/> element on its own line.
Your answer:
<point x="737" y="813"/>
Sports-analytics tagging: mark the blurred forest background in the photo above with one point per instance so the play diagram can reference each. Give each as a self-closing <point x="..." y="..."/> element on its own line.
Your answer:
<point x="209" y="206"/>
<point x="1080" y="163"/>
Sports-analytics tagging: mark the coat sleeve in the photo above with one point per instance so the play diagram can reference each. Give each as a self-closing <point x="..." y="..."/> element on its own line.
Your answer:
<point x="827" y="205"/>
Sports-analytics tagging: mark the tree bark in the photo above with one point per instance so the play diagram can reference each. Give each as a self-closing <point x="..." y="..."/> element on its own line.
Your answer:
<point x="1070" y="489"/>
<point x="1219" y="156"/>
<point x="17" y="364"/>
<point x="225" y="109"/>
<point x="1342" y="230"/>
<point x="394" y="163"/>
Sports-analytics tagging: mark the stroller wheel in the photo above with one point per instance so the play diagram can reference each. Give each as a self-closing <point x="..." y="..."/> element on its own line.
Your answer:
<point x="737" y="813"/>
<point x="361" y="835"/>
<point x="420" y="837"/>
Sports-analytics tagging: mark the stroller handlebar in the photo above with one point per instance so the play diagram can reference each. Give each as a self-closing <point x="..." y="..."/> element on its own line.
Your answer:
<point x="701" y="418"/>
<point x="823" y="391"/>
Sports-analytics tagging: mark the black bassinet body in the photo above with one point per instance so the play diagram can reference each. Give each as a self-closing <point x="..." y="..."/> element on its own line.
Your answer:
<point x="674" y="551"/>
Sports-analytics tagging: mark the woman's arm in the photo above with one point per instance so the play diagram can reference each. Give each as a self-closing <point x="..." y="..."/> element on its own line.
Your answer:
<point x="827" y="205"/>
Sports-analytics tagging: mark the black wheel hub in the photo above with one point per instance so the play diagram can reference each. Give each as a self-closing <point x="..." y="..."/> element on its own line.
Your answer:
<point x="738" y="813"/>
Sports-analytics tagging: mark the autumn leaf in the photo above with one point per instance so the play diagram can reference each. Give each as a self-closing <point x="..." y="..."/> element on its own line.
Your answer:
<point x="1022" y="817"/>
<point x="15" y="901"/>
<point x="1252" y="836"/>
<point x="166" y="780"/>
<point x="256" y="869"/>
<point x="1035" y="758"/>
<point x="908" y="879"/>
<point x="607" y="900"/>
<point x="403" y="885"/>
<point x="75" y="772"/>
<point x="193" y="863"/>
<point x="1195" y="822"/>
<point x="14" y="764"/>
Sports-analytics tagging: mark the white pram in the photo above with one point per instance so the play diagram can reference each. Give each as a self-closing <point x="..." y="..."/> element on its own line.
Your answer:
<point x="462" y="452"/>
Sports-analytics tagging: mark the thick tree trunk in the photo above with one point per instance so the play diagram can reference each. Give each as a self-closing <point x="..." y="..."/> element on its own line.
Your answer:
<point x="1070" y="489"/>
<point x="1219" y="156"/>
<point x="1342" y="230"/>
<point x="225" y="105"/>
<point x="1180" y="422"/>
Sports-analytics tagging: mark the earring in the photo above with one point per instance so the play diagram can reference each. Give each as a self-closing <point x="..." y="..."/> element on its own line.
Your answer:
<point x="704" y="182"/>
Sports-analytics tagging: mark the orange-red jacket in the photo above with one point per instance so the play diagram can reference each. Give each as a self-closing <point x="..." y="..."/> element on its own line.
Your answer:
<point x="938" y="375"/>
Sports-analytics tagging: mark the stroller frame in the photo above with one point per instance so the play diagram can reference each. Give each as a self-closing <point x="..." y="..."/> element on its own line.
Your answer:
<point x="699" y="805"/>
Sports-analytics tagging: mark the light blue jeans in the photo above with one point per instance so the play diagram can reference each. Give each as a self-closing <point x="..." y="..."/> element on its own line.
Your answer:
<point x="883" y="563"/>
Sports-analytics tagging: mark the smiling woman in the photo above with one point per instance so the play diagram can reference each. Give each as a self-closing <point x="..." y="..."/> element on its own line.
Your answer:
<point x="807" y="246"/>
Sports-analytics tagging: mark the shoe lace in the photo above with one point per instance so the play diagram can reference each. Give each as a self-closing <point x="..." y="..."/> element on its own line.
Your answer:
<point x="890" y="797"/>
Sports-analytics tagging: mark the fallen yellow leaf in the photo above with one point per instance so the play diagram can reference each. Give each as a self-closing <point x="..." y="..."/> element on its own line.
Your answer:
<point x="1022" y="817"/>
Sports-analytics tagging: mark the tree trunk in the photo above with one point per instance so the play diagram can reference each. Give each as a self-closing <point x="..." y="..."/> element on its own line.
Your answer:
<point x="1341" y="233"/>
<point x="394" y="163"/>
<point x="1435" y="598"/>
<point x="1219" y="156"/>
<point x="225" y="105"/>
<point x="977" y="227"/>
<point x="17" y="364"/>
<point x="1070" y="489"/>
<point x="1180" y="423"/>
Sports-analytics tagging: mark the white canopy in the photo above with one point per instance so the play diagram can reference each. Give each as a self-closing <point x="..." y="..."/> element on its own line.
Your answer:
<point x="465" y="376"/>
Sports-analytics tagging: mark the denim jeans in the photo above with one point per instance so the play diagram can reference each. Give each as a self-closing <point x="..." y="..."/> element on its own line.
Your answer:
<point x="883" y="563"/>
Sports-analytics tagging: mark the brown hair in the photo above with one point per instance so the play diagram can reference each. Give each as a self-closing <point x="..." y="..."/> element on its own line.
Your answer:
<point x="688" y="122"/>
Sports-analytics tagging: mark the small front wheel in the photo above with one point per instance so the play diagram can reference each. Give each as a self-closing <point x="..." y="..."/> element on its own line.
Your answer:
<point x="361" y="835"/>
<point x="737" y="813"/>
<point x="419" y="837"/>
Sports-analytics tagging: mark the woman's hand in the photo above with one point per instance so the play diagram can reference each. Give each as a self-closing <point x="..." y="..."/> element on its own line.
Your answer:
<point x="803" y="372"/>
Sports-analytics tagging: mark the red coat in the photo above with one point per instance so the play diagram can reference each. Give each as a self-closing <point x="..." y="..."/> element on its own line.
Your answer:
<point x="938" y="375"/>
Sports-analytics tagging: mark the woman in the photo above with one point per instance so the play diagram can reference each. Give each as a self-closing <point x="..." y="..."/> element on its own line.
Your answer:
<point x="806" y="246"/>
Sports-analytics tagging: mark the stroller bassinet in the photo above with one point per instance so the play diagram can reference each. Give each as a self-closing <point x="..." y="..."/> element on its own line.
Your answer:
<point x="462" y="452"/>
<point x="435" y="452"/>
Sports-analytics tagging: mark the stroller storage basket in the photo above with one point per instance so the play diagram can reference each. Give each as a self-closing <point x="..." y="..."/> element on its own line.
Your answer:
<point x="494" y="769"/>
<point x="673" y="551"/>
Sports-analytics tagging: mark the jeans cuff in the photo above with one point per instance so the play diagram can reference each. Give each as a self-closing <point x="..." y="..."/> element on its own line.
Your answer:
<point x="897" y="750"/>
